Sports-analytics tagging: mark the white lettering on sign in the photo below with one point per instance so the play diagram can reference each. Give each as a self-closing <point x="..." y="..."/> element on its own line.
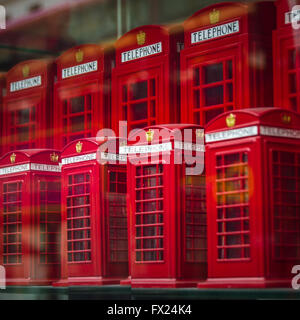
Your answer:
<point x="26" y="84"/>
<point x="15" y="169"/>
<point x="141" y="52"/>
<point x="280" y="132"/>
<point x="292" y="16"/>
<point x="80" y="69"/>
<point x="84" y="157"/>
<point x="113" y="156"/>
<point x="45" y="167"/>
<point x="215" y="32"/>
<point x="189" y="146"/>
<point x="146" y="149"/>
<point x="29" y="166"/>
<point x="231" y="134"/>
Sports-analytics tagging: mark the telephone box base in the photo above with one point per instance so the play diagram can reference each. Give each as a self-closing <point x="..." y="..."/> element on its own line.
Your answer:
<point x="163" y="283"/>
<point x="244" y="283"/>
<point x="86" y="281"/>
<point x="29" y="282"/>
<point x="126" y="282"/>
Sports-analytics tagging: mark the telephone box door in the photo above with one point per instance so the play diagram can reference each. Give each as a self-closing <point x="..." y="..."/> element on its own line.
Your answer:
<point x="150" y="221"/>
<point x="238" y="234"/>
<point x="15" y="235"/>
<point x="47" y="220"/>
<point x="81" y="215"/>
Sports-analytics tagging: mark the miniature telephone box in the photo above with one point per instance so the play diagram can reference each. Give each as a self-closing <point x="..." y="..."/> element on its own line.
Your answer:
<point x="30" y="216"/>
<point x="145" y="85"/>
<point x="167" y="207"/>
<point x="286" y="51"/>
<point x="2" y="93"/>
<point x="226" y="63"/>
<point x="253" y="192"/>
<point x="94" y="219"/>
<point x="82" y="93"/>
<point x="28" y="112"/>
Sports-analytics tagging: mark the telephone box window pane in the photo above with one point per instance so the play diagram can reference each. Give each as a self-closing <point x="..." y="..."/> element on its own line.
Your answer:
<point x="229" y="87"/>
<point x="292" y="59"/>
<point x="292" y="83"/>
<point x="149" y="220"/>
<point x="196" y="77"/>
<point x="139" y="90"/>
<point x="210" y="114"/>
<point x="77" y="104"/>
<point x="139" y="111"/>
<point x="232" y="192"/>
<point x="213" y="95"/>
<point x="286" y="195"/>
<point x="12" y="223"/>
<point x="213" y="73"/>
<point x="229" y="69"/>
<point x="77" y="123"/>
<point x="23" y="134"/>
<point x="23" y="116"/>
<point x="124" y="94"/>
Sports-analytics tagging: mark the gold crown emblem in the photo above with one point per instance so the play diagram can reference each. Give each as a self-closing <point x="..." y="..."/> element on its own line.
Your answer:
<point x="141" y="38"/>
<point x="26" y="71"/>
<point x="214" y="16"/>
<point x="149" y="135"/>
<point x="199" y="133"/>
<point x="286" y="118"/>
<point x="78" y="147"/>
<point x="54" y="157"/>
<point x="230" y="120"/>
<point x="79" y="56"/>
<point x="13" y="158"/>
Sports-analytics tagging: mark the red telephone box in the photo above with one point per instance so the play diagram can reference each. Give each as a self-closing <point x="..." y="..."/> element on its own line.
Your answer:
<point x="30" y="216"/>
<point x="2" y="93"/>
<point x="94" y="235"/>
<point x="28" y="112"/>
<point x="82" y="93"/>
<point x="226" y="63"/>
<point x="167" y="209"/>
<point x="286" y="50"/>
<point x="253" y="192"/>
<point x="145" y="81"/>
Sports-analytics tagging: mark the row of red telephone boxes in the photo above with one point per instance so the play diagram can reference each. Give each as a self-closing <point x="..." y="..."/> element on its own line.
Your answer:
<point x="123" y="211"/>
<point x="220" y="59"/>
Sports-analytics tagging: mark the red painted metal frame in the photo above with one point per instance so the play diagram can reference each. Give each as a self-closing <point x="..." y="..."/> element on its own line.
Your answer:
<point x="164" y="262"/>
<point x="286" y="61"/>
<point x="35" y="103"/>
<point x="2" y="92"/>
<point x="250" y="202"/>
<point x="30" y="217"/>
<point x="162" y="103"/>
<point x="99" y="265"/>
<point x="93" y="87"/>
<point x="244" y="59"/>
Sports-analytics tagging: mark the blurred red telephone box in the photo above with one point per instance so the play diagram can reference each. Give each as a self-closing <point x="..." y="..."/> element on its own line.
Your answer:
<point x="2" y="93"/>
<point x="145" y="81"/>
<point x="226" y="63"/>
<point x="167" y="207"/>
<point x="82" y="93"/>
<point x="94" y="219"/>
<point x="28" y="112"/>
<point x="286" y="51"/>
<point x="30" y="216"/>
<point x="253" y="192"/>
